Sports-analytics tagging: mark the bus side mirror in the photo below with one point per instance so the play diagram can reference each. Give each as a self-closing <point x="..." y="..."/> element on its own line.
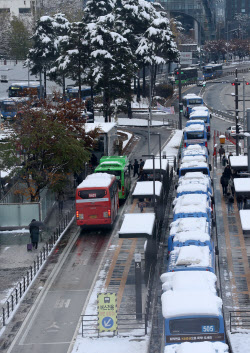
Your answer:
<point x="177" y="171"/>
<point x="210" y="167"/>
<point x="211" y="116"/>
<point x="176" y="186"/>
<point x="216" y="250"/>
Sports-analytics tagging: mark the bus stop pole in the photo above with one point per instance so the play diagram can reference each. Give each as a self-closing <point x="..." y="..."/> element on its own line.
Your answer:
<point x="138" y="289"/>
<point x="248" y="139"/>
<point x="179" y="78"/>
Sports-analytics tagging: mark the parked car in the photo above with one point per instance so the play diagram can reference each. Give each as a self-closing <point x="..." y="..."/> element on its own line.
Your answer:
<point x="231" y="130"/>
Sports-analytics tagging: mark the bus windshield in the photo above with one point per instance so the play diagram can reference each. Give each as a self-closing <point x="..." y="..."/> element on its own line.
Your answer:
<point x="92" y="194"/>
<point x="194" y="325"/>
<point x="195" y="135"/>
<point x="8" y="107"/>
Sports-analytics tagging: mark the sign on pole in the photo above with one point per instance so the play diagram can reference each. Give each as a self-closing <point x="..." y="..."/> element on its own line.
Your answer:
<point x="107" y="311"/>
<point x="185" y="58"/>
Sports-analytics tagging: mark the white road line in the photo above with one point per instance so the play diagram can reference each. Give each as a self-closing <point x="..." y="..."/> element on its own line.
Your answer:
<point x="40" y="298"/>
<point x="44" y="343"/>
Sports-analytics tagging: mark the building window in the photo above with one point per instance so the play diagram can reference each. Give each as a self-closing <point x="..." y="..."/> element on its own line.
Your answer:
<point x="24" y="10"/>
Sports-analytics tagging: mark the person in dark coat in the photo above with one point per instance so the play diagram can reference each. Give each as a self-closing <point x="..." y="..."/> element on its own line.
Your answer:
<point x="34" y="232"/>
<point x="136" y="167"/>
<point x="141" y="165"/>
<point x="221" y="152"/>
<point x="224" y="160"/>
<point x="227" y="172"/>
<point x="224" y="184"/>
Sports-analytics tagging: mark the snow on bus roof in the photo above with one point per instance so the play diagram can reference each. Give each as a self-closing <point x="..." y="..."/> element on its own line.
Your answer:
<point x="195" y="235"/>
<point x="190" y="303"/>
<point x="242" y="184"/>
<point x="199" y="107"/>
<point x="96" y="180"/>
<point x="192" y="187"/>
<point x="104" y="127"/>
<point x="194" y="127"/>
<point x="197" y="347"/>
<point x="197" y="121"/>
<point x="111" y="162"/>
<point x="138" y="223"/>
<point x="194" y="163"/>
<point x="196" y="147"/>
<point x="146" y="188"/>
<point x="191" y="256"/>
<point x="206" y="182"/>
<point x="189" y="280"/>
<point x="191" y="95"/>
<point x="148" y="165"/>
<point x="238" y="161"/>
<point x="188" y="224"/>
<point x="203" y="113"/>
<point x="190" y="200"/>
<point x="198" y="158"/>
<point x="194" y="175"/>
<point x="194" y="152"/>
<point x="26" y="84"/>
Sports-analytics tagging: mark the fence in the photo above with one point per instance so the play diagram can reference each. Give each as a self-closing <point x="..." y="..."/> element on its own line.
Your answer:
<point x="239" y="320"/>
<point x="125" y="324"/>
<point x="21" y="289"/>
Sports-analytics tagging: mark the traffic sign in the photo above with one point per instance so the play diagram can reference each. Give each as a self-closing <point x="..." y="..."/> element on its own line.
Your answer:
<point x="107" y="311"/>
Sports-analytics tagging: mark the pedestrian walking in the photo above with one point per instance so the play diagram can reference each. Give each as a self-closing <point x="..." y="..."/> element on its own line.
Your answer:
<point x="130" y="167"/>
<point x="230" y="203"/>
<point x="141" y="165"/>
<point x="221" y="152"/>
<point x="239" y="200"/>
<point x="231" y="185"/>
<point x="34" y="232"/>
<point x="60" y="199"/>
<point x="227" y="172"/>
<point x="224" y="184"/>
<point x="136" y="167"/>
<point x="224" y="160"/>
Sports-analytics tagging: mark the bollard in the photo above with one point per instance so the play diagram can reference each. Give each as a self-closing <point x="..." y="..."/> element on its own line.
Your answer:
<point x="27" y="278"/>
<point x="31" y="273"/>
<point x="20" y="289"/>
<point x="24" y="284"/>
<point x="12" y="302"/>
<point x="16" y="295"/>
<point x="8" y="309"/>
<point x="34" y="268"/>
<point x="3" y="317"/>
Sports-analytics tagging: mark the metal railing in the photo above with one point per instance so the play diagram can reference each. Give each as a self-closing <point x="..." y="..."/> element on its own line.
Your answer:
<point x="126" y="324"/>
<point x="239" y="320"/>
<point x="21" y="288"/>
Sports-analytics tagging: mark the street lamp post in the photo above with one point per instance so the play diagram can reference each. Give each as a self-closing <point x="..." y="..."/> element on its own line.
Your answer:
<point x="159" y="135"/>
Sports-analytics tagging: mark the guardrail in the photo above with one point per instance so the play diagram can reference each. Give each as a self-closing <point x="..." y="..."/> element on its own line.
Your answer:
<point x="239" y="319"/>
<point x="22" y="287"/>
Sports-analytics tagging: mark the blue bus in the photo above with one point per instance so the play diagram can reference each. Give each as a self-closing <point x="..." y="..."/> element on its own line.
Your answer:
<point x="72" y="92"/>
<point x="211" y="71"/>
<point x="189" y="101"/>
<point x="10" y="106"/>
<point x="192" y="206"/>
<point x="195" y="134"/>
<point x="25" y="89"/>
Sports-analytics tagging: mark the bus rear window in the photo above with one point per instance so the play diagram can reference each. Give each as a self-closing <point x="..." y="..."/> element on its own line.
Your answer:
<point x="92" y="194"/>
<point x="194" y="325"/>
<point x="195" y="135"/>
<point x="195" y="101"/>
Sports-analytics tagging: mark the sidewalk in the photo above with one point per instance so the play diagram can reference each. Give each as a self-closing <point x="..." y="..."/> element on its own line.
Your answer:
<point x="234" y="259"/>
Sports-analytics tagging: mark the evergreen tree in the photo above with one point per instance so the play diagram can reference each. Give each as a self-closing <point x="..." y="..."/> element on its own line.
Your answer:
<point x="95" y="9"/>
<point x="19" y="39"/>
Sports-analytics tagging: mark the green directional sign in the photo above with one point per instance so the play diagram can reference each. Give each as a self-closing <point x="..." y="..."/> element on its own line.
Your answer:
<point x="107" y="312"/>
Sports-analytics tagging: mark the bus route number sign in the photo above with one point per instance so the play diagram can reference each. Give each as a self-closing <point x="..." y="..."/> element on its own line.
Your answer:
<point x="208" y="328"/>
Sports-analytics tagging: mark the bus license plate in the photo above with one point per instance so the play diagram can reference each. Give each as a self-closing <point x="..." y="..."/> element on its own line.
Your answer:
<point x="93" y="216"/>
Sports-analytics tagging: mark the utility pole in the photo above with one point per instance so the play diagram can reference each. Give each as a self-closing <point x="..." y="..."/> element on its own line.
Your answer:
<point x="248" y="139"/>
<point x="237" y="111"/>
<point x="180" y="104"/>
<point x="244" y="109"/>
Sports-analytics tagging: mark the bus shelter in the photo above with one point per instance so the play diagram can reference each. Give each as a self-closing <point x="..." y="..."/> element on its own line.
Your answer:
<point x="160" y="169"/>
<point x="142" y="225"/>
<point x="245" y="221"/>
<point x="239" y="165"/>
<point x="150" y="198"/>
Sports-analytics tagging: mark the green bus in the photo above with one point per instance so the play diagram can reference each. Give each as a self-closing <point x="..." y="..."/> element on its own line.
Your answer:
<point x="118" y="166"/>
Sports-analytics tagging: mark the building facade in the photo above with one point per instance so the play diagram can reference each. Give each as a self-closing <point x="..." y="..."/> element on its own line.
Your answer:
<point x="17" y="7"/>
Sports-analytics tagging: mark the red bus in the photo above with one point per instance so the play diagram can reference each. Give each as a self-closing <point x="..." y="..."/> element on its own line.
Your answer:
<point x="97" y="200"/>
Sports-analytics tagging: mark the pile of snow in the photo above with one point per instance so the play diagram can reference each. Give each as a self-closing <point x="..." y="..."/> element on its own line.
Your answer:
<point x="96" y="180"/>
<point x="103" y="127"/>
<point x="194" y="235"/>
<point x="172" y="148"/>
<point x="189" y="224"/>
<point x="189" y="280"/>
<point x="191" y="256"/>
<point x="187" y="303"/>
<point x="240" y="341"/>
<point x="198" y="347"/>
<point x="146" y="188"/>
